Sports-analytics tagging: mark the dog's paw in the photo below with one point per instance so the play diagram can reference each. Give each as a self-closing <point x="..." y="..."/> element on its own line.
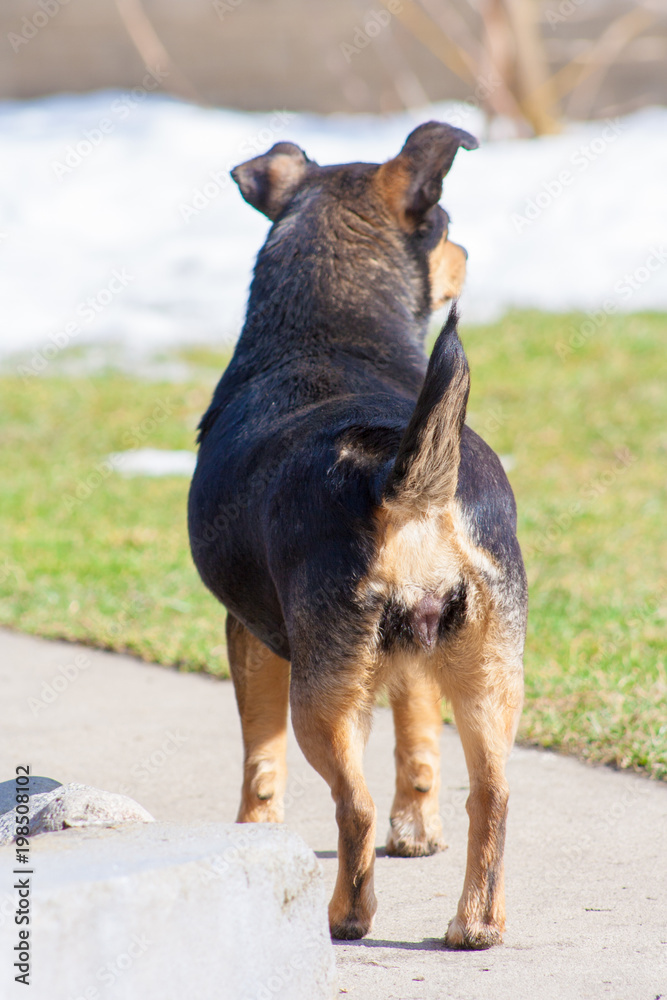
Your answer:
<point x="352" y="907"/>
<point x="257" y="811"/>
<point x="350" y="929"/>
<point x="408" y="838"/>
<point x="474" y="935"/>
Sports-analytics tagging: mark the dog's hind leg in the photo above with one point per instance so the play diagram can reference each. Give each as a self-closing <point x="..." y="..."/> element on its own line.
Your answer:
<point x="332" y="724"/>
<point x="261" y="682"/>
<point x="416" y="828"/>
<point x="486" y="716"/>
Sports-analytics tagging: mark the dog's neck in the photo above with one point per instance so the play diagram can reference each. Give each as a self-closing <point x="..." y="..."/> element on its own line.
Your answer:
<point x="321" y="290"/>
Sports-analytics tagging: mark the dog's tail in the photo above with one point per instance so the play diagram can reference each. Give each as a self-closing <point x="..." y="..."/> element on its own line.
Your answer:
<point x="425" y="472"/>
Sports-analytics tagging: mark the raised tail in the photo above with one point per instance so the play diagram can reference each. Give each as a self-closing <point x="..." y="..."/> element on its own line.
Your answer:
<point x="426" y="468"/>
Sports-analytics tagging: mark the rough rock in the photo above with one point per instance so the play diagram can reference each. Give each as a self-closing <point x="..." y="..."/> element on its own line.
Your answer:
<point x="58" y="807"/>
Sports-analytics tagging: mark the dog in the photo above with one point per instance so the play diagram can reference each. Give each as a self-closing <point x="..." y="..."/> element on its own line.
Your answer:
<point x="359" y="534"/>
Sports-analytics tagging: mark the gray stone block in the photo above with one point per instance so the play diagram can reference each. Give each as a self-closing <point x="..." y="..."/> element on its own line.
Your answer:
<point x="163" y="912"/>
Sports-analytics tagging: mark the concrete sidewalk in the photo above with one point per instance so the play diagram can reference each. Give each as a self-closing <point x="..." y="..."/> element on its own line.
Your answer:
<point x="586" y="847"/>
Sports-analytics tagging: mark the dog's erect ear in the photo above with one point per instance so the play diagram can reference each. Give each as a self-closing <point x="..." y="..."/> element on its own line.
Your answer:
<point x="268" y="182"/>
<point x="411" y="183"/>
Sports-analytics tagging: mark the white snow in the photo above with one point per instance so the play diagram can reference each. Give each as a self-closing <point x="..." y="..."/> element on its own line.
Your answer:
<point x="118" y="221"/>
<point x="153" y="462"/>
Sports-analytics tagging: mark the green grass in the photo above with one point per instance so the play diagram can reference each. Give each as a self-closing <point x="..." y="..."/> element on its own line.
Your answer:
<point x="104" y="560"/>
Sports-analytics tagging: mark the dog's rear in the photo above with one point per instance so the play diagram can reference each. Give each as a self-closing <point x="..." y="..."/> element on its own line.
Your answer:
<point x="417" y="569"/>
<point x="355" y="527"/>
<point x="452" y="622"/>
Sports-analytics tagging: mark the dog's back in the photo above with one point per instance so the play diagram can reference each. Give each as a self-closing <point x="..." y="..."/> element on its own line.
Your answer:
<point x="307" y="438"/>
<point x="294" y="494"/>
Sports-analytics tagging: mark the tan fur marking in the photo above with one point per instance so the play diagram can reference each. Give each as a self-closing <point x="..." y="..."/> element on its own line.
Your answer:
<point x="392" y="181"/>
<point x="261" y="680"/>
<point x="447" y="270"/>
<point x="426" y="553"/>
<point x="332" y="733"/>
<point x="416" y="828"/>
<point x="487" y="726"/>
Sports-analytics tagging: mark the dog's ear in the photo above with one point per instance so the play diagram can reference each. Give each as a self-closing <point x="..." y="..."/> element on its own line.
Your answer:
<point x="411" y="183"/>
<point x="268" y="182"/>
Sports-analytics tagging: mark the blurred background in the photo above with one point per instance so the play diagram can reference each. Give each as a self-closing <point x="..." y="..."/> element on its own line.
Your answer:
<point x="593" y="58"/>
<point x="126" y="253"/>
<point x="122" y="118"/>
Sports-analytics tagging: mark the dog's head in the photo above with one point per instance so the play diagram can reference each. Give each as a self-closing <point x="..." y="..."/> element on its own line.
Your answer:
<point x="369" y="211"/>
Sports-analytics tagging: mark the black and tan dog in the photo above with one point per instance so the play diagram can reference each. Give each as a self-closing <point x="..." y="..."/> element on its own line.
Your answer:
<point x="359" y="534"/>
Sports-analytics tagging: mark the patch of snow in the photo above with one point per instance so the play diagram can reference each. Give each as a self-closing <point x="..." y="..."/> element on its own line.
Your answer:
<point x="119" y="222"/>
<point x="153" y="462"/>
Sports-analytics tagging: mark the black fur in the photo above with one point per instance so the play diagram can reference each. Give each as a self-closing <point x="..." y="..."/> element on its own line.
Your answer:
<point x="307" y="421"/>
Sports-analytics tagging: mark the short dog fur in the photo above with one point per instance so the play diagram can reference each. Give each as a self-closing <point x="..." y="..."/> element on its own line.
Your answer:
<point x="358" y="532"/>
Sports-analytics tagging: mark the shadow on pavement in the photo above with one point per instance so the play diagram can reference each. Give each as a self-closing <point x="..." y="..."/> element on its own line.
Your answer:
<point x="428" y="944"/>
